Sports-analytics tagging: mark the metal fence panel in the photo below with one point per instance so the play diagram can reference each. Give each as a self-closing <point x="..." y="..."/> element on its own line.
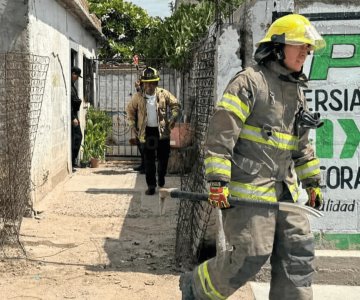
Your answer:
<point x="115" y="87"/>
<point x="22" y="84"/>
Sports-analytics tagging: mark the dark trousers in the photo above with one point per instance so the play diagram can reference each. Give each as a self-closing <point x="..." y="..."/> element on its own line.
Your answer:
<point x="141" y="151"/>
<point x="155" y="148"/>
<point x="76" y="138"/>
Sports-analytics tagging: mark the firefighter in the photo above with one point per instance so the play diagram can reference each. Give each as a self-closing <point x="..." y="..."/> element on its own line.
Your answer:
<point x="151" y="115"/>
<point x="257" y="148"/>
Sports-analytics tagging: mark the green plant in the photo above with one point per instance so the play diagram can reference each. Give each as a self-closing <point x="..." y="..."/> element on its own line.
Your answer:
<point x="130" y="30"/>
<point x="98" y="127"/>
<point x="173" y="39"/>
<point x="122" y="22"/>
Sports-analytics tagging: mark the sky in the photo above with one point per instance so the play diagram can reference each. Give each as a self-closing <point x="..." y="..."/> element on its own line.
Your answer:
<point x="154" y="7"/>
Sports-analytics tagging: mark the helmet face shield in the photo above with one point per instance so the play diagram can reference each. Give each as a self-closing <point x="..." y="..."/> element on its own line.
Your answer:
<point x="305" y="35"/>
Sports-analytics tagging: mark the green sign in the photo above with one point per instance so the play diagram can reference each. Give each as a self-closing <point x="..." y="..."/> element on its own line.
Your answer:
<point x="336" y="99"/>
<point x="324" y="60"/>
<point x="325" y="139"/>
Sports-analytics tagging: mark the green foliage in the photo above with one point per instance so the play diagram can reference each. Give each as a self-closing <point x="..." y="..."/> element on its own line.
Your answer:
<point x="130" y="30"/>
<point x="122" y="22"/>
<point x="173" y="39"/>
<point x="226" y="7"/>
<point x="101" y="118"/>
<point x="98" y="126"/>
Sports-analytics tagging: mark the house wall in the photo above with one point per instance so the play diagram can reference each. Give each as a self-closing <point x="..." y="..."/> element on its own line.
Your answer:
<point x="53" y="32"/>
<point x="13" y="22"/>
<point x="36" y="41"/>
<point x="333" y="91"/>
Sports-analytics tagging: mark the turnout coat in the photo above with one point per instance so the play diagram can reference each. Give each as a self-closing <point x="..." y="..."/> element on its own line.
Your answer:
<point x="253" y="139"/>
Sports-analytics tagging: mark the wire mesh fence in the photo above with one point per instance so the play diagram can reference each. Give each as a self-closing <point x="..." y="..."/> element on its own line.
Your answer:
<point x="22" y="83"/>
<point x="193" y="217"/>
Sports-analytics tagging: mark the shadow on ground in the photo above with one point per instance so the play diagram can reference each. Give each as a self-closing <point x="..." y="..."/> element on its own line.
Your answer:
<point x="146" y="240"/>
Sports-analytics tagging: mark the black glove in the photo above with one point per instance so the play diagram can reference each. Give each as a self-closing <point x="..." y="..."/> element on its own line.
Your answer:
<point x="307" y="119"/>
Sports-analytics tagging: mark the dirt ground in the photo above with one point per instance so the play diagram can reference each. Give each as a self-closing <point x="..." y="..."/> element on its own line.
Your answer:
<point x="97" y="236"/>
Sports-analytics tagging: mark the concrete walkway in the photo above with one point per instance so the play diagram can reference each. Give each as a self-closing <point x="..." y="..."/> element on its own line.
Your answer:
<point x="337" y="276"/>
<point x="321" y="292"/>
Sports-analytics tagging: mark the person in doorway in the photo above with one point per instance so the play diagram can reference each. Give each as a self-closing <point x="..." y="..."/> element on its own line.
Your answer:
<point x="151" y="115"/>
<point x="257" y="148"/>
<point x="76" y="134"/>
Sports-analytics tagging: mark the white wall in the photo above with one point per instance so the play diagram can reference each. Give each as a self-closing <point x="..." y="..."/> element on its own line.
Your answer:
<point x="53" y="31"/>
<point x="339" y="155"/>
<point x="228" y="60"/>
<point x="13" y="19"/>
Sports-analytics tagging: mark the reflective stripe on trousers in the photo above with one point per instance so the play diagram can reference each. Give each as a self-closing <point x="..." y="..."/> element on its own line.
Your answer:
<point x="254" y="235"/>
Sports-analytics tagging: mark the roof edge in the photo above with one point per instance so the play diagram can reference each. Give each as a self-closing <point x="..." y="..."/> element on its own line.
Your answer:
<point x="80" y="9"/>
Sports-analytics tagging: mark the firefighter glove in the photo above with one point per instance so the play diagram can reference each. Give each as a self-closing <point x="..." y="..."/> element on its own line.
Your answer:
<point x="315" y="197"/>
<point x="218" y="195"/>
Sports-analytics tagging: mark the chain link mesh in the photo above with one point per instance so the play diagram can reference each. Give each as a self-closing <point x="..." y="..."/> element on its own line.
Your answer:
<point x="22" y="84"/>
<point x="193" y="217"/>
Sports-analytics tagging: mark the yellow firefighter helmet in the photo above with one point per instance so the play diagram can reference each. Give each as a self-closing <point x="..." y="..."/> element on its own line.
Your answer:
<point x="150" y="75"/>
<point x="293" y="29"/>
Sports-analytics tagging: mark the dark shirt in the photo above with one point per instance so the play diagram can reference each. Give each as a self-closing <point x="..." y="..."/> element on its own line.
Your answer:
<point x="75" y="102"/>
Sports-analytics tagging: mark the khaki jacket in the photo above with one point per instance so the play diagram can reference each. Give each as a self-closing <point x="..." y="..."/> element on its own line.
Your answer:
<point x="253" y="140"/>
<point x="168" y="110"/>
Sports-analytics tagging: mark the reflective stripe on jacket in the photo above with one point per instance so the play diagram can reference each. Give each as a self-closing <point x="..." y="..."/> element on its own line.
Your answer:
<point x="166" y="103"/>
<point x="252" y="141"/>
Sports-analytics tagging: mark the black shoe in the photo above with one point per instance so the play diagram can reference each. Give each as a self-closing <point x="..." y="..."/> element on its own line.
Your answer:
<point x="161" y="182"/>
<point x="150" y="191"/>
<point x="138" y="168"/>
<point x="142" y="171"/>
<point x="185" y="285"/>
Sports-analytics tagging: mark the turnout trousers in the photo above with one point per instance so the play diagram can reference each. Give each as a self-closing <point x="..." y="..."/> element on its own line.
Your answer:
<point x="253" y="235"/>
<point x="154" y="148"/>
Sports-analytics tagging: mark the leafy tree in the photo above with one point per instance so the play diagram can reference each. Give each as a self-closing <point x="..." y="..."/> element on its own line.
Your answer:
<point x="173" y="39"/>
<point x="122" y="22"/>
<point x="130" y="30"/>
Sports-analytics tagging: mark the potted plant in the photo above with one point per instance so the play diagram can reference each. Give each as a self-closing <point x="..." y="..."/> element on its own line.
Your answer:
<point x="86" y="154"/>
<point x="98" y="126"/>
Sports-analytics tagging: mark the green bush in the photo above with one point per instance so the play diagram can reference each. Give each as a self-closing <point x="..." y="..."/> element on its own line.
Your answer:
<point x="98" y="127"/>
<point x="122" y="22"/>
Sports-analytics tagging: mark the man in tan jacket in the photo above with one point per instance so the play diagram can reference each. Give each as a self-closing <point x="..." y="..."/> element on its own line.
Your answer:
<point x="257" y="148"/>
<point x="155" y="111"/>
